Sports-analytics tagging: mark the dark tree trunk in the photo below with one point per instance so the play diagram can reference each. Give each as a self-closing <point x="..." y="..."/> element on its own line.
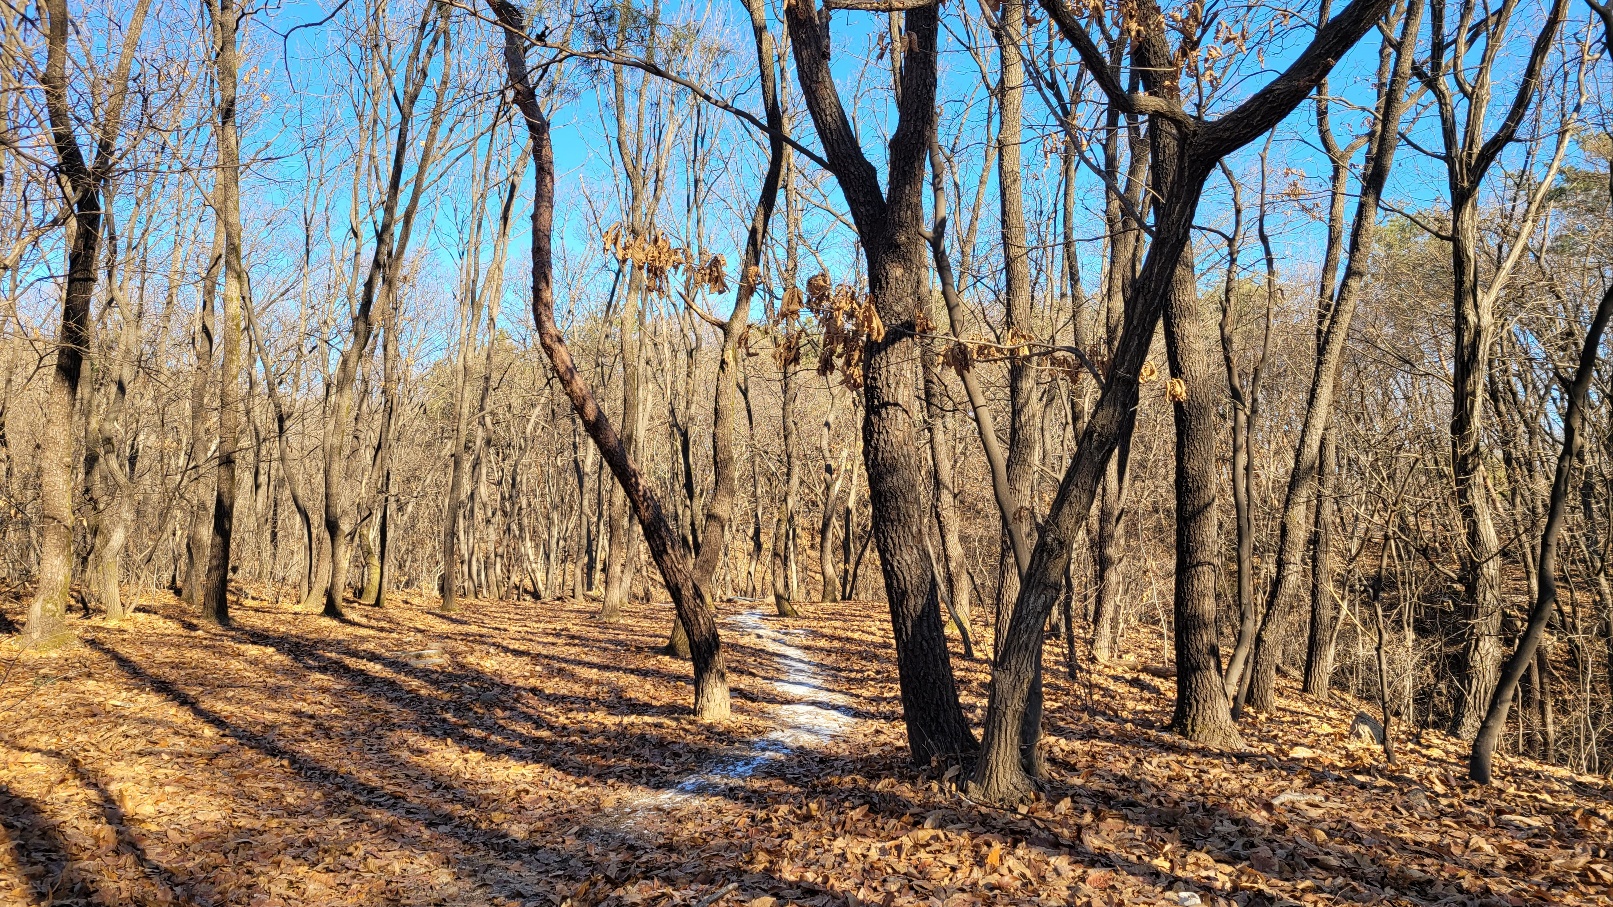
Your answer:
<point x="1202" y="713"/>
<point x="1183" y="157"/>
<point x="47" y="612"/>
<point x="1324" y="611"/>
<point x="227" y="208"/>
<point x="890" y="226"/>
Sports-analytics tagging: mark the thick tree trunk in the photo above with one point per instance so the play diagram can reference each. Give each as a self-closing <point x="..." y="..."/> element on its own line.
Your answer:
<point x="1478" y="668"/>
<point x="1202" y="713"/>
<point x="890" y="226"/>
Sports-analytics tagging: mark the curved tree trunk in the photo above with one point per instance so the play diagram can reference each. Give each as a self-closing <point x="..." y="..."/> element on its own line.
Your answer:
<point x="693" y="605"/>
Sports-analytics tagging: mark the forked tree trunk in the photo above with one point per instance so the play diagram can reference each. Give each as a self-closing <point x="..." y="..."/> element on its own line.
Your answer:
<point x="47" y="611"/>
<point x="890" y="226"/>
<point x="392" y="233"/>
<point x="1183" y="157"/>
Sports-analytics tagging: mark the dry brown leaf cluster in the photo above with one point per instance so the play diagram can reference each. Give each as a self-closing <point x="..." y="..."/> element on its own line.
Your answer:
<point x="533" y="759"/>
<point x="659" y="259"/>
<point x="848" y="319"/>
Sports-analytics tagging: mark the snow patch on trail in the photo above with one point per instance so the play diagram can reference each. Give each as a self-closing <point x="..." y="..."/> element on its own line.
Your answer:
<point x="811" y="718"/>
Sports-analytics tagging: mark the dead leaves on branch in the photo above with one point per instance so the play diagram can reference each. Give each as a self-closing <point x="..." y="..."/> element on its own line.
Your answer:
<point x="659" y="259"/>
<point x="847" y="318"/>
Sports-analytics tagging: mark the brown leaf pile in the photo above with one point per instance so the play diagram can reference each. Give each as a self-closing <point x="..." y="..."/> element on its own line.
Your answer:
<point x="523" y="753"/>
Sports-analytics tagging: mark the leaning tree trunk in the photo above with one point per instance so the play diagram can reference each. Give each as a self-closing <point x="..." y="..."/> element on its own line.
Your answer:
<point x="1183" y="158"/>
<point x="1294" y="527"/>
<point x="693" y="605"/>
<point x="1495" y="719"/>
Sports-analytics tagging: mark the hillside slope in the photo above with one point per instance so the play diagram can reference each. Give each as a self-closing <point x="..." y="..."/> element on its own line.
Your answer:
<point x="526" y="754"/>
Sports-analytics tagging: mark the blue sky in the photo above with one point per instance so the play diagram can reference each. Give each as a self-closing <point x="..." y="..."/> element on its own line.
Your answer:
<point x="584" y="155"/>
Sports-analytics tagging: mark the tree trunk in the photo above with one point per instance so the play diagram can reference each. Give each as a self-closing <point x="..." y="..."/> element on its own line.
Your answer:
<point x="619" y="560"/>
<point x="890" y="226"/>
<point x="953" y="566"/>
<point x="227" y="208"/>
<point x="47" y="612"/>
<point x="1578" y="393"/>
<point x="1295" y="525"/>
<point x="1324" y="612"/>
<point x="1181" y="162"/>
<point x="1025" y="416"/>
<point x="693" y="605"/>
<point x="201" y="521"/>
<point x="1202" y="713"/>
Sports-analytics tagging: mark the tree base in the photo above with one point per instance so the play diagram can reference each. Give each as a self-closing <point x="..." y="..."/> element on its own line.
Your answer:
<point x="1001" y="787"/>
<point x="1219" y="734"/>
<point x="712" y="701"/>
<point x="47" y="640"/>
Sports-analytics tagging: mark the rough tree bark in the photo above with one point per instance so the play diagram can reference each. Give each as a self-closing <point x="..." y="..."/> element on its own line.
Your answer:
<point x="47" y="611"/>
<point x="891" y="229"/>
<point x="1184" y="153"/>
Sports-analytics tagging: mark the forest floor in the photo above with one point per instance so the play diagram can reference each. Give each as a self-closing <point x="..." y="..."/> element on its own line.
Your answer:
<point x="524" y="753"/>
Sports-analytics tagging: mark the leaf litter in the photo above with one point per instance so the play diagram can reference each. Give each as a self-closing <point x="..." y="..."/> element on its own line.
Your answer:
<point x="526" y="754"/>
